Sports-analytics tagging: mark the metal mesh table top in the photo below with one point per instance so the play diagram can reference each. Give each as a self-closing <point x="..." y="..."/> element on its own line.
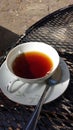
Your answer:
<point x="56" y="29"/>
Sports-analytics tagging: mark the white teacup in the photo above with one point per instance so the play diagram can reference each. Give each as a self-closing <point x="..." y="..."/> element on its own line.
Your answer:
<point x="39" y="47"/>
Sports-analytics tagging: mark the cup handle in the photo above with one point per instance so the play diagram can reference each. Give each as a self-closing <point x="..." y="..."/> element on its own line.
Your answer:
<point x="10" y="86"/>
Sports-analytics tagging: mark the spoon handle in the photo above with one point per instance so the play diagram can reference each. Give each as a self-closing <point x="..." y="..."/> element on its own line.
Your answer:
<point x="31" y="125"/>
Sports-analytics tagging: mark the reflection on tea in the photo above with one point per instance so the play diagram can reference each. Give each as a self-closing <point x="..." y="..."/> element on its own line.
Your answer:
<point x="32" y="65"/>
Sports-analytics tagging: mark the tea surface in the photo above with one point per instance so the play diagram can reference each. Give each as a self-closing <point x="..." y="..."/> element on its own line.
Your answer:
<point x="32" y="65"/>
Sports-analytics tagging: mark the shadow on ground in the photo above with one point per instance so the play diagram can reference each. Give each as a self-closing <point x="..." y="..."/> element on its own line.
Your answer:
<point x="7" y="38"/>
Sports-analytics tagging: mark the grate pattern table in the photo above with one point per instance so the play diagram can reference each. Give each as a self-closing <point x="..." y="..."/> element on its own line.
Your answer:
<point x="56" y="29"/>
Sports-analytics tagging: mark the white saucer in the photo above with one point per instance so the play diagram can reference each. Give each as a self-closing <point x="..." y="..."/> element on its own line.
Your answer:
<point x="30" y="94"/>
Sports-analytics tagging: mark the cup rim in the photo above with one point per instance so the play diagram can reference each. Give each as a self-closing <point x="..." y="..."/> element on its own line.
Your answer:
<point x="34" y="79"/>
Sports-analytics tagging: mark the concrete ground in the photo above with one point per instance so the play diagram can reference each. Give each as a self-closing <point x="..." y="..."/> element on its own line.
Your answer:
<point x="18" y="15"/>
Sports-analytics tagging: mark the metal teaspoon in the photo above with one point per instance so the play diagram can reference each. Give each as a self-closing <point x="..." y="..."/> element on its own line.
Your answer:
<point x="31" y="125"/>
